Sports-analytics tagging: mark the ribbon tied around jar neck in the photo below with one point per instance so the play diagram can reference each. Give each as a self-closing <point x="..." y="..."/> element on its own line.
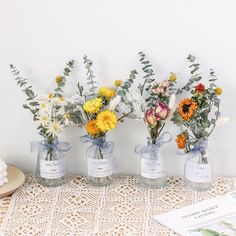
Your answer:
<point x="199" y="147"/>
<point x="61" y="147"/>
<point x="153" y="149"/>
<point x="99" y="146"/>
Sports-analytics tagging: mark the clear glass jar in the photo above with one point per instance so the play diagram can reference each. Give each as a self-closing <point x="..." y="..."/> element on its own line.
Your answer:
<point x="152" y="169"/>
<point x="198" y="171"/>
<point x="100" y="162"/>
<point x="51" y="163"/>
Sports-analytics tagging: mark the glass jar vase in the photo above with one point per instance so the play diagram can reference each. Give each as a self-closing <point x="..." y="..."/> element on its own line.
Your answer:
<point x="51" y="162"/>
<point x="152" y="164"/>
<point x="198" y="171"/>
<point x="99" y="161"/>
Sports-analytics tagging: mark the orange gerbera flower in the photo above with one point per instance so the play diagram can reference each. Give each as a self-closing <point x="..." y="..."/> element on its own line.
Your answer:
<point x="186" y="108"/>
<point x="181" y="140"/>
<point x="92" y="128"/>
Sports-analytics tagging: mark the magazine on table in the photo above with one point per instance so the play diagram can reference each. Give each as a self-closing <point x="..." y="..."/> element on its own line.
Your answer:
<point x="212" y="217"/>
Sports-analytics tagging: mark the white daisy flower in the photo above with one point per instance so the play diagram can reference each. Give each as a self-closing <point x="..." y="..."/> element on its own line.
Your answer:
<point x="54" y="128"/>
<point x="43" y="106"/>
<point x="43" y="119"/>
<point x="59" y="101"/>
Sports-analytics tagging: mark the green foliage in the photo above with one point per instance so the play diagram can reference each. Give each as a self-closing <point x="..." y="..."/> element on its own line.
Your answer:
<point x="33" y="105"/>
<point x="128" y="83"/>
<point x="23" y="83"/>
<point x="195" y="75"/>
<point x="203" y="121"/>
<point x="80" y="88"/>
<point x="208" y="232"/>
<point x="75" y="115"/>
<point x="90" y="76"/>
<point x="148" y="74"/>
<point x="66" y="73"/>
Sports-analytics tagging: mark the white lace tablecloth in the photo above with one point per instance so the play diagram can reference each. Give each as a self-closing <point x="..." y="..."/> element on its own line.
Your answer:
<point x="124" y="208"/>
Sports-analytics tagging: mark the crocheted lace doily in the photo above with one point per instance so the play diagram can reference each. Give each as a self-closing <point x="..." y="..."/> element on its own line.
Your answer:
<point x="123" y="208"/>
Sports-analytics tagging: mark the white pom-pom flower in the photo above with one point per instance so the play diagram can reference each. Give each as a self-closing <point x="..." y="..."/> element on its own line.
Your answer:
<point x="222" y="121"/>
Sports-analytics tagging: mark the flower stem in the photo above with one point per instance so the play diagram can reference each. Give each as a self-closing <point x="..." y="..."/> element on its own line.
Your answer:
<point x="122" y="117"/>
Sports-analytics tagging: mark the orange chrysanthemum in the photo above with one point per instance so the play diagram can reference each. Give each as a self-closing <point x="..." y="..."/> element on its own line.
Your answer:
<point x="181" y="140"/>
<point x="186" y="108"/>
<point x="92" y="128"/>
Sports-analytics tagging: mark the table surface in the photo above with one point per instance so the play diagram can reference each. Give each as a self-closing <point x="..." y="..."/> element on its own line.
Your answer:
<point x="123" y="208"/>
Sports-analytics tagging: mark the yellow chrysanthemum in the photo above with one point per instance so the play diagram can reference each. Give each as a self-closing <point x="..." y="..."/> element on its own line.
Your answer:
<point x="93" y="106"/>
<point x="92" y="128"/>
<point x="59" y="79"/>
<point x="106" y="120"/>
<point x="106" y="92"/>
<point x="172" y="77"/>
<point x="117" y="83"/>
<point x="218" y="90"/>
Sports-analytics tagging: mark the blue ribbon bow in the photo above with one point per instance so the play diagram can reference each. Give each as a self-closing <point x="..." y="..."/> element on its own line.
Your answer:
<point x="153" y="148"/>
<point x="98" y="144"/>
<point x="45" y="146"/>
<point x="200" y="146"/>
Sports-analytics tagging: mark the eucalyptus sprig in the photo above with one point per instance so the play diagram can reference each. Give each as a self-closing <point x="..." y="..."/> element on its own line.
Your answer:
<point x="195" y="75"/>
<point x="62" y="79"/>
<point x="122" y="90"/>
<point x="148" y="74"/>
<point x="31" y="104"/>
<point x="90" y="76"/>
<point x="53" y="116"/>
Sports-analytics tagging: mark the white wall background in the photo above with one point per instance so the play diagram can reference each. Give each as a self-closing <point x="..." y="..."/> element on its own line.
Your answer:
<point x="40" y="36"/>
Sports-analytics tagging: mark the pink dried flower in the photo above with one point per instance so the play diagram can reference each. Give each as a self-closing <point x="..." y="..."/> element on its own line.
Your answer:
<point x="150" y="117"/>
<point x="161" y="111"/>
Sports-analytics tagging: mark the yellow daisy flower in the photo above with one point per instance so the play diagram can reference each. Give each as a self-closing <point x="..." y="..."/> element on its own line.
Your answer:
<point x="106" y="92"/>
<point x="50" y="96"/>
<point x="93" y="106"/>
<point x="106" y="120"/>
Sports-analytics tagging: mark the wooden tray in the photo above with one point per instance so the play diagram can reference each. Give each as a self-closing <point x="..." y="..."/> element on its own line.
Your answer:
<point x="15" y="179"/>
